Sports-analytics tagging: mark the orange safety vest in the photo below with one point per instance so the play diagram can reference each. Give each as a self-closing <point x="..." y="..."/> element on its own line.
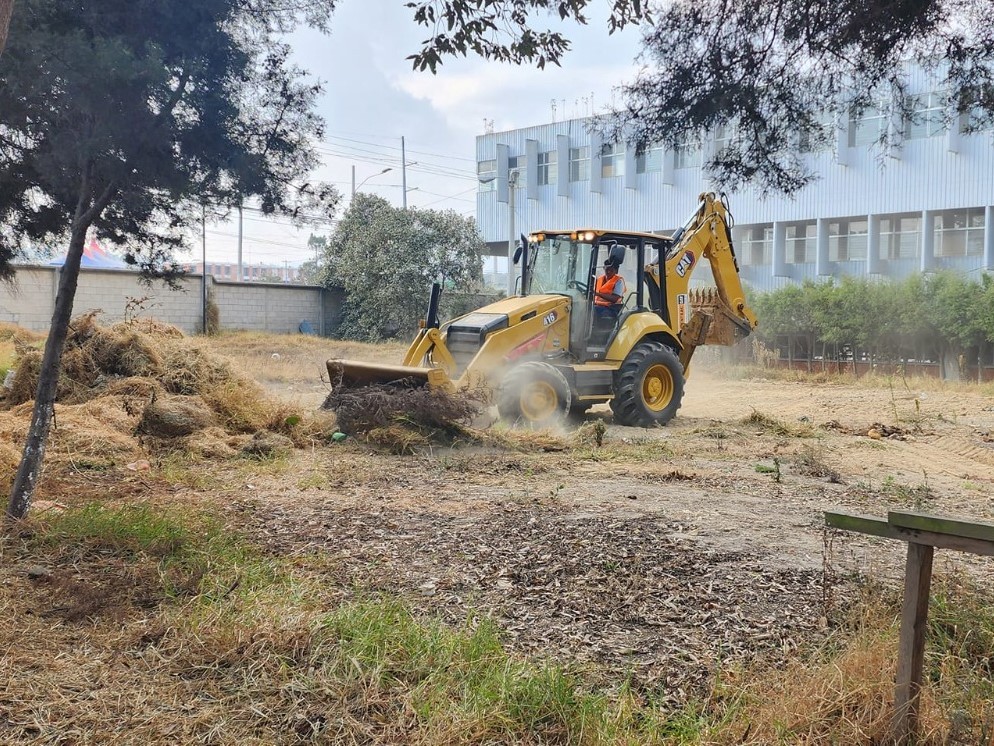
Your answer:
<point x="608" y="286"/>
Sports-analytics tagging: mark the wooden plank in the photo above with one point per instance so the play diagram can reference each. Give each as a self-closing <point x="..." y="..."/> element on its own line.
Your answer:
<point x="941" y="525"/>
<point x="945" y="541"/>
<point x="879" y="527"/>
<point x="864" y="524"/>
<point x="911" y="649"/>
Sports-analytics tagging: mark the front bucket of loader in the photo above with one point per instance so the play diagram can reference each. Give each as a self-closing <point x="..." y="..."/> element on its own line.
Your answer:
<point x="355" y="374"/>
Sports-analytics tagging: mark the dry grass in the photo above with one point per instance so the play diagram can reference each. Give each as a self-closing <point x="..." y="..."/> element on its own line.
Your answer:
<point x="144" y="625"/>
<point x="171" y="630"/>
<point x="268" y="358"/>
<point x="144" y="378"/>
<point x="135" y="624"/>
<point x="777" y="426"/>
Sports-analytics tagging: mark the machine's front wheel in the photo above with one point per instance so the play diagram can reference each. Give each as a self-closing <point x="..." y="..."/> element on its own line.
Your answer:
<point x="648" y="386"/>
<point x="534" y="393"/>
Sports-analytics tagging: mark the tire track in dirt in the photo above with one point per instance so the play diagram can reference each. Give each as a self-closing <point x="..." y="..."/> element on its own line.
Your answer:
<point x="951" y="446"/>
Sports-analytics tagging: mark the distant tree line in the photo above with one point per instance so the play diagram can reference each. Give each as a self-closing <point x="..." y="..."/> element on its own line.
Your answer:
<point x="943" y="317"/>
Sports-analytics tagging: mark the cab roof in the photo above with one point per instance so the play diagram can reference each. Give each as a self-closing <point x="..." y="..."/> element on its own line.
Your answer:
<point x="602" y="232"/>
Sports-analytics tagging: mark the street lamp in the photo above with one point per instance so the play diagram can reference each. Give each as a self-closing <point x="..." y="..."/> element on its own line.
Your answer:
<point x="356" y="188"/>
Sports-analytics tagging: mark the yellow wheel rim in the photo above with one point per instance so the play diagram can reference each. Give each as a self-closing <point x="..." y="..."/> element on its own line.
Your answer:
<point x="657" y="388"/>
<point x="538" y="401"/>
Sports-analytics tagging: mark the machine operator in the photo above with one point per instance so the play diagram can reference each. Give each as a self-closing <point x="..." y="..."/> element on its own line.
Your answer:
<point x="609" y="289"/>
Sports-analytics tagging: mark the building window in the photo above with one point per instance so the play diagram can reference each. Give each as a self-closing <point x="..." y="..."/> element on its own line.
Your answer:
<point x="974" y="119"/>
<point x="722" y="137"/>
<point x="960" y="233"/>
<point x="651" y="160"/>
<point x="927" y="115"/>
<point x="758" y="248"/>
<point x="688" y="154"/>
<point x="547" y="168"/>
<point x="870" y="127"/>
<point x="579" y="164"/>
<point x="847" y="240"/>
<point x="519" y="164"/>
<point x="800" y="243"/>
<point x="820" y="137"/>
<point x="612" y="160"/>
<point x="900" y="237"/>
<point x="486" y="172"/>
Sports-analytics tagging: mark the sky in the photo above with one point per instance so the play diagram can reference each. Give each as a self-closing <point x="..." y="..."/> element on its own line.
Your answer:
<point x="372" y="98"/>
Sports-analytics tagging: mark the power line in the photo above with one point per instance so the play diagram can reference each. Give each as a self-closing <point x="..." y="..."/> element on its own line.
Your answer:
<point x="454" y="196"/>
<point x="394" y="147"/>
<point x="375" y="156"/>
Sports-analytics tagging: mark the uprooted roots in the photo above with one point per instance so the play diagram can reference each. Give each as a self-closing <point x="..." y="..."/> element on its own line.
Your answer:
<point x="405" y="404"/>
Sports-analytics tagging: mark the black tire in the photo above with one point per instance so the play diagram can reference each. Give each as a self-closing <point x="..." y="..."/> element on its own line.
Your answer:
<point x="578" y="410"/>
<point x="648" y="387"/>
<point x="536" y="394"/>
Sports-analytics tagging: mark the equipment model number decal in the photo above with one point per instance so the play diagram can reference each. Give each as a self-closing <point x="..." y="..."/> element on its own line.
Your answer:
<point x="550" y="318"/>
<point x="685" y="263"/>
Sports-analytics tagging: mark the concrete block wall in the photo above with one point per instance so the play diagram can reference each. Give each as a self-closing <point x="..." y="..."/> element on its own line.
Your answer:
<point x="271" y="308"/>
<point x="112" y="290"/>
<point x="30" y="300"/>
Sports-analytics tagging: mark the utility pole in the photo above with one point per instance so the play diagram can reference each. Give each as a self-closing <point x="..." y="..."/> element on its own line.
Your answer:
<point x="353" y="181"/>
<point x="512" y="181"/>
<point x="403" y="170"/>
<point x="239" y="242"/>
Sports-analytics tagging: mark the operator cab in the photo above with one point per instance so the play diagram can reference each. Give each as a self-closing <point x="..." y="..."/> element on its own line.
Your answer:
<point x="569" y="263"/>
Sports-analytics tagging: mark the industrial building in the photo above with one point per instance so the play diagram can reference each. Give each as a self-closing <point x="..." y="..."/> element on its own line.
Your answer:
<point x="926" y="203"/>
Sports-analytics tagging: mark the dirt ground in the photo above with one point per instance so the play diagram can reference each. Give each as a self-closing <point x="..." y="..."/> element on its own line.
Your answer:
<point x="652" y="560"/>
<point x="662" y="554"/>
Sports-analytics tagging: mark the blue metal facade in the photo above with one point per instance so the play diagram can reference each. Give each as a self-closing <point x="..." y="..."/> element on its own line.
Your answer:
<point x="923" y="205"/>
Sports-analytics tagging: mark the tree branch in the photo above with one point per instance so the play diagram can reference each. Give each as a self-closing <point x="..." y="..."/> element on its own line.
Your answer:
<point x="6" y="11"/>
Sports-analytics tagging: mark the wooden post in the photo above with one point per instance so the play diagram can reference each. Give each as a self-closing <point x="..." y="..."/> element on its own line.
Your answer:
<point x="924" y="533"/>
<point x="911" y="650"/>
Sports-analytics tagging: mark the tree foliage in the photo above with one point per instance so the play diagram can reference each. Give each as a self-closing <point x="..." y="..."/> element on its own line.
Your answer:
<point x="775" y="74"/>
<point x="504" y="30"/>
<point x="128" y="116"/>
<point x="113" y="112"/>
<point x="386" y="260"/>
<point x="779" y="73"/>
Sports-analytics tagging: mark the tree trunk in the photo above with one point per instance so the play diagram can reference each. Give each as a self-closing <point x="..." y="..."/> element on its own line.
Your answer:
<point x="44" y="408"/>
<point x="6" y="11"/>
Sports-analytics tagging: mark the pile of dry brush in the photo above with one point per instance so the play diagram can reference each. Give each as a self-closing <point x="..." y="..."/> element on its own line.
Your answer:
<point x="403" y="415"/>
<point x="141" y="385"/>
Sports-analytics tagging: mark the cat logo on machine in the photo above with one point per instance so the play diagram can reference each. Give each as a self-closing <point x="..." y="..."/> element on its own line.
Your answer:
<point x="685" y="263"/>
<point x="550" y="318"/>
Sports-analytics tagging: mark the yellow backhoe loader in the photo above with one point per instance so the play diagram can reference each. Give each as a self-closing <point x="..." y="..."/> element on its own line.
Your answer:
<point x="545" y="353"/>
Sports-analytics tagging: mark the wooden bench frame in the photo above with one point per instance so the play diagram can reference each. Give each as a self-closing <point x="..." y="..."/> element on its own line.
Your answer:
<point x="924" y="534"/>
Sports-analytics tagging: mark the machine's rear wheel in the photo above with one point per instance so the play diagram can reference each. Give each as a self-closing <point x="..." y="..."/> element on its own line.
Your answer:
<point x="534" y="393"/>
<point x="648" y="386"/>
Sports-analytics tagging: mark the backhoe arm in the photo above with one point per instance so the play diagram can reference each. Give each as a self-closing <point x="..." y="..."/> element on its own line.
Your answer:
<point x="706" y="235"/>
